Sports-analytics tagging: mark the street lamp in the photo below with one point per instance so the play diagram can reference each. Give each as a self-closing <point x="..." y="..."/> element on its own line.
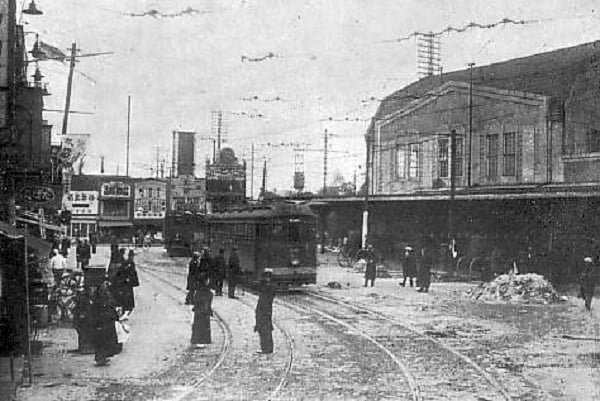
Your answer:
<point x="32" y="9"/>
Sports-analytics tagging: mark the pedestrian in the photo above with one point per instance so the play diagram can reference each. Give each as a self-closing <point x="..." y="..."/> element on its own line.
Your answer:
<point x="192" y="277"/>
<point x="233" y="272"/>
<point x="202" y="301"/>
<point x="114" y="246"/>
<point x="78" y="245"/>
<point x="409" y="266"/>
<point x="587" y="281"/>
<point x="86" y="255"/>
<point x="427" y="258"/>
<point x="220" y="271"/>
<point x="125" y="280"/>
<point x="65" y="245"/>
<point x="371" y="267"/>
<point x="58" y="264"/>
<point x="103" y="316"/>
<point x="264" y="313"/>
<point x="207" y="267"/>
<point x="93" y="242"/>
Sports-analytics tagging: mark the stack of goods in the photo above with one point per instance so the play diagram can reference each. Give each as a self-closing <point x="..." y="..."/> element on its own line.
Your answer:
<point x="516" y="288"/>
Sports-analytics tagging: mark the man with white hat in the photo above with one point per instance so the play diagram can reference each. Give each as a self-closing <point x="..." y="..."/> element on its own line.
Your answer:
<point x="588" y="281"/>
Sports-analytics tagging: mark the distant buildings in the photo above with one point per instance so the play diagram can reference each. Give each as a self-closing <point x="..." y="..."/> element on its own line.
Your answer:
<point x="225" y="181"/>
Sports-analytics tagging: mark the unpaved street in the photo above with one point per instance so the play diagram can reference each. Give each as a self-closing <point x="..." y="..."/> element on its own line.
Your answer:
<point x="382" y="342"/>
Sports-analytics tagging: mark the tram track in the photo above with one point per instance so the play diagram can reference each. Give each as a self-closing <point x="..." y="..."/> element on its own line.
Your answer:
<point x="156" y="272"/>
<point x="469" y="369"/>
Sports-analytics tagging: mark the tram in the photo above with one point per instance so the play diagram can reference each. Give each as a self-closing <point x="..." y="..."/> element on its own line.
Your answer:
<point x="280" y="237"/>
<point x="183" y="232"/>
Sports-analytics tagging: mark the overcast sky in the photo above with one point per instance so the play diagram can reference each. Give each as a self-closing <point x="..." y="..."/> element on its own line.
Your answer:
<point x="322" y="59"/>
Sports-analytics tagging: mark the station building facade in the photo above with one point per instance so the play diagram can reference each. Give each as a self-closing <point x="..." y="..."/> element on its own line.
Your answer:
<point x="506" y="155"/>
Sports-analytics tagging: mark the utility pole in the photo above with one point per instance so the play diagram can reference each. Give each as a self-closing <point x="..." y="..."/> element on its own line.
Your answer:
<point x="365" y="221"/>
<point x="470" y="122"/>
<point x="264" y="178"/>
<point x="157" y="161"/>
<point x="69" y="87"/>
<point x="325" y="139"/>
<point x="128" y="123"/>
<point x="452" y="189"/>
<point x="252" y="174"/>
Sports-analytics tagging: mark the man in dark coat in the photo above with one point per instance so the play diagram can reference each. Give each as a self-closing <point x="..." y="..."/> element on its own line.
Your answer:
<point x="264" y="313"/>
<point x="371" y="268"/>
<point x="85" y="255"/>
<point x="192" y="277"/>
<point x="93" y="241"/>
<point x="427" y="260"/>
<point x="207" y="267"/>
<point x="233" y="272"/>
<point x="65" y="245"/>
<point x="78" y="246"/>
<point x="103" y="316"/>
<point x="587" y="281"/>
<point x="220" y="271"/>
<point x="409" y="266"/>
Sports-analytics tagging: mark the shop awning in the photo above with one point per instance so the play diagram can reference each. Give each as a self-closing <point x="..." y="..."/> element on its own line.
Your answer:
<point x="37" y="223"/>
<point x="115" y="224"/>
<point x="35" y="243"/>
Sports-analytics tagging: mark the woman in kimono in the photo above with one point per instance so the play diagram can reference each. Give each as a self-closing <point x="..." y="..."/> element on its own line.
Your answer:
<point x="202" y="301"/>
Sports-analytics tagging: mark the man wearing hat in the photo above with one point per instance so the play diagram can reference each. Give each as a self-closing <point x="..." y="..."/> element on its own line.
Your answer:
<point x="409" y="266"/>
<point x="264" y="313"/>
<point x="193" y="276"/>
<point x="587" y="281"/>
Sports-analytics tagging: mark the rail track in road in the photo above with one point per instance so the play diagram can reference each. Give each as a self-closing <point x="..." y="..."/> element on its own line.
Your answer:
<point x="228" y="344"/>
<point x="411" y="344"/>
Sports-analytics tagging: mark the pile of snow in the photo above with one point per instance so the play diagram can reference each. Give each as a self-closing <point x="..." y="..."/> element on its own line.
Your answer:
<point x="518" y="288"/>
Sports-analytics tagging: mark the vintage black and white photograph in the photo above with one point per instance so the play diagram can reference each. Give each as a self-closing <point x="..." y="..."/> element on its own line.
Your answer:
<point x="268" y="200"/>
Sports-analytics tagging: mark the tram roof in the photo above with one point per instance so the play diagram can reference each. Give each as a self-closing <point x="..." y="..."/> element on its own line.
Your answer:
<point x="264" y="212"/>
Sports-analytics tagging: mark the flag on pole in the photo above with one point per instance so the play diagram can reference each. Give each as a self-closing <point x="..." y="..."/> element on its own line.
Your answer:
<point x="44" y="51"/>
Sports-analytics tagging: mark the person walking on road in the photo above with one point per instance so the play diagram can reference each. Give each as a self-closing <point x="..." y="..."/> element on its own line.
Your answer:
<point x="78" y="248"/>
<point x="220" y="271"/>
<point x="427" y="259"/>
<point x="86" y="255"/>
<point x="409" y="266"/>
<point x="371" y="268"/>
<point x="587" y="281"/>
<point x="192" y="277"/>
<point x="125" y="280"/>
<point x="65" y="245"/>
<point x="233" y="272"/>
<point x="103" y="315"/>
<point x="264" y="313"/>
<point x="202" y="301"/>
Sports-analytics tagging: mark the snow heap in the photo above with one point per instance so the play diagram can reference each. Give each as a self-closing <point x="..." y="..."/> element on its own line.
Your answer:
<point x="517" y="288"/>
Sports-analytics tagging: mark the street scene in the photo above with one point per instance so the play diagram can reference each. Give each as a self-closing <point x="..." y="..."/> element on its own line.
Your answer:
<point x="300" y="200"/>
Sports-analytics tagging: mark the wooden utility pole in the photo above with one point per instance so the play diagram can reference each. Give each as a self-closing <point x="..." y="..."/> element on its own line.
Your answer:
<point x="452" y="187"/>
<point x="128" y="124"/>
<point x="69" y="87"/>
<point x="252" y="174"/>
<point x="470" y="123"/>
<point x="325" y="139"/>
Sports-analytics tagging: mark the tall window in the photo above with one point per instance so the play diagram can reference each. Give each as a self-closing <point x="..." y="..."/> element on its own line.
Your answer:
<point x="458" y="157"/>
<point x="400" y="162"/>
<point x="510" y="154"/>
<point x="442" y="158"/>
<point x="413" y="160"/>
<point x="492" y="156"/>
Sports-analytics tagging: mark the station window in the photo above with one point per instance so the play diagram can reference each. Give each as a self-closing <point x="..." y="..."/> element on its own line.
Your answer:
<point x="509" y="156"/>
<point x="492" y="156"/>
<point x="443" y="158"/>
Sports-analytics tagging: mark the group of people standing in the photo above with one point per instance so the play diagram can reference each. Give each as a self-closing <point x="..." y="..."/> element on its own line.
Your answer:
<point x="207" y="274"/>
<point x="110" y="304"/>
<point x="418" y="266"/>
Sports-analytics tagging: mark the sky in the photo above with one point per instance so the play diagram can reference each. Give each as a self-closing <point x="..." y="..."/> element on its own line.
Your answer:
<point x="281" y="71"/>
